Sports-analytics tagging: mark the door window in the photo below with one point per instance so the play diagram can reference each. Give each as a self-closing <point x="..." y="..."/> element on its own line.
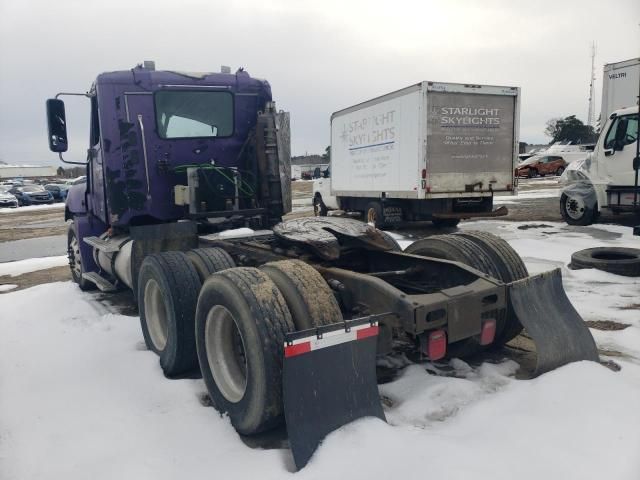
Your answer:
<point x="631" y="134"/>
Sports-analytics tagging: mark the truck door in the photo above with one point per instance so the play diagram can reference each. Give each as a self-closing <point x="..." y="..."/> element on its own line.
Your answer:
<point x="96" y="172"/>
<point x="620" y="149"/>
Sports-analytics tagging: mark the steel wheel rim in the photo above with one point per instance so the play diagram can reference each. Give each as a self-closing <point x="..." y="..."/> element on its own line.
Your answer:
<point x="156" y="314"/>
<point x="225" y="353"/>
<point x="574" y="207"/>
<point x="74" y="256"/>
<point x="372" y="216"/>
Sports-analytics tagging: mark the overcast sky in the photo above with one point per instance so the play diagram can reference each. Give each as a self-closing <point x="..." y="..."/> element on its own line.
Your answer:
<point x="318" y="56"/>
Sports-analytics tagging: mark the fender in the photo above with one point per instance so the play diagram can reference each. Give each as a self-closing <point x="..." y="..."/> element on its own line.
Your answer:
<point x="75" y="203"/>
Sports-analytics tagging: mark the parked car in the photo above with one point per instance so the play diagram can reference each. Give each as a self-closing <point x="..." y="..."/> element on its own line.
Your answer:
<point x="77" y="181"/>
<point x="58" y="190"/>
<point x="541" y="165"/>
<point x="7" y="199"/>
<point x="31" y="195"/>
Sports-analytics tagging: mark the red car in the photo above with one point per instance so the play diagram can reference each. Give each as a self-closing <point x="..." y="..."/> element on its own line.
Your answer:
<point x="541" y="165"/>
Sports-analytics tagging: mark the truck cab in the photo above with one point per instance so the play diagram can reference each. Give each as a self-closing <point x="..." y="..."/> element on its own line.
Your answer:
<point x="606" y="179"/>
<point x="167" y="147"/>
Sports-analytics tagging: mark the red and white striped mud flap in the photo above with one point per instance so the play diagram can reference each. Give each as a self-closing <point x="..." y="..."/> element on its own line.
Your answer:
<point x="329" y="380"/>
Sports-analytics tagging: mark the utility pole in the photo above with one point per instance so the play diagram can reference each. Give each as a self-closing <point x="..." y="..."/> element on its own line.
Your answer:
<point x="591" y="114"/>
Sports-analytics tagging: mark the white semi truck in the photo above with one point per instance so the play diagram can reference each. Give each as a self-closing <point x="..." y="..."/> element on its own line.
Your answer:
<point x="431" y="151"/>
<point x="608" y="178"/>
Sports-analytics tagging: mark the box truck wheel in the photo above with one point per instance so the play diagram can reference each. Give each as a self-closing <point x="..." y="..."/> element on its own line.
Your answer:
<point x="319" y="208"/>
<point x="374" y="215"/>
<point x="210" y="260"/>
<point x="241" y="320"/>
<point x="75" y="259"/>
<point x="575" y="211"/>
<point x="309" y="298"/>
<point x="168" y="286"/>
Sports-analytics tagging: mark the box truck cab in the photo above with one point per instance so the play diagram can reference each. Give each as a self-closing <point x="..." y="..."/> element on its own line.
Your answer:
<point x="431" y="151"/>
<point x="607" y="178"/>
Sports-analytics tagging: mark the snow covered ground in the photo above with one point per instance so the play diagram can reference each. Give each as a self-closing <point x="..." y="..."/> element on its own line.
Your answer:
<point x="81" y="397"/>
<point x="33" y="208"/>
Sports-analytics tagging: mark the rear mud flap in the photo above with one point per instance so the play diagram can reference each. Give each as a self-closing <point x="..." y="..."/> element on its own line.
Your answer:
<point x="556" y="328"/>
<point x="329" y="380"/>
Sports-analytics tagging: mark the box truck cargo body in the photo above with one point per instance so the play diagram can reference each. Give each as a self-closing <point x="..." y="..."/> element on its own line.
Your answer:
<point x="454" y="144"/>
<point x="620" y="84"/>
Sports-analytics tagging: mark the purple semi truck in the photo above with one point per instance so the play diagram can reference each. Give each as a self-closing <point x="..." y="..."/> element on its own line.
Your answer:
<point x="283" y="323"/>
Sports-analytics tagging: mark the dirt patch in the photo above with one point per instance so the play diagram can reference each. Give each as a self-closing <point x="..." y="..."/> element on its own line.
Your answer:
<point x="611" y="365"/>
<point x="26" y="280"/>
<point x="536" y="225"/>
<point x="631" y="306"/>
<point x="606" y="325"/>
<point x="39" y="223"/>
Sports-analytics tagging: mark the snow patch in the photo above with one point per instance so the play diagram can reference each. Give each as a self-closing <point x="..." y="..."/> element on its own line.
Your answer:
<point x="20" y="267"/>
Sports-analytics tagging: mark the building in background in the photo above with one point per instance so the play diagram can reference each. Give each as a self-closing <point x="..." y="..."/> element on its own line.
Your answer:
<point x="27" y="171"/>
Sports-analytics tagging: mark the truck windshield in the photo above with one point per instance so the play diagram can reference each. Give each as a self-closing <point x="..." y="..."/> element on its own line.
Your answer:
<point x="182" y="114"/>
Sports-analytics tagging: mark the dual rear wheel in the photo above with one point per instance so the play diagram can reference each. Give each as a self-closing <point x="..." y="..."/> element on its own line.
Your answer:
<point x="491" y="255"/>
<point x="233" y="328"/>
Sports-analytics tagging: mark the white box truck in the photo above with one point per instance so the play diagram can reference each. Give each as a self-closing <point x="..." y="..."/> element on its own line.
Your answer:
<point x="432" y="151"/>
<point x="619" y="87"/>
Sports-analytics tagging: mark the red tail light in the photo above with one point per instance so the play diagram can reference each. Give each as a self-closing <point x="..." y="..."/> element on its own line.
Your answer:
<point x="437" y="345"/>
<point x="488" y="332"/>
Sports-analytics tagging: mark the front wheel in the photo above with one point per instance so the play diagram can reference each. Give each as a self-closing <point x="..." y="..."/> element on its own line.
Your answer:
<point x="533" y="173"/>
<point x="575" y="211"/>
<point x="75" y="259"/>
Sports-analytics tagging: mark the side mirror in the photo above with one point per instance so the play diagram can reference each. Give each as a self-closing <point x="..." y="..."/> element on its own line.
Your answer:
<point x="57" y="123"/>
<point x="621" y="134"/>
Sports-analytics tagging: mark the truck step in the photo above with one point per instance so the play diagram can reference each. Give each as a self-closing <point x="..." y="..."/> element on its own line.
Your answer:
<point x="102" y="245"/>
<point x="102" y="283"/>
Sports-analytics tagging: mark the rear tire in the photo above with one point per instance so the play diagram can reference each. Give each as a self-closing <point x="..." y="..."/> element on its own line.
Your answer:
<point x="241" y="322"/>
<point x="319" y="208"/>
<point x="373" y="215"/>
<point x="510" y="268"/>
<point x="207" y="261"/>
<point x="559" y="171"/>
<point x="168" y="287"/>
<point x="309" y="298"/>
<point x="459" y="249"/>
